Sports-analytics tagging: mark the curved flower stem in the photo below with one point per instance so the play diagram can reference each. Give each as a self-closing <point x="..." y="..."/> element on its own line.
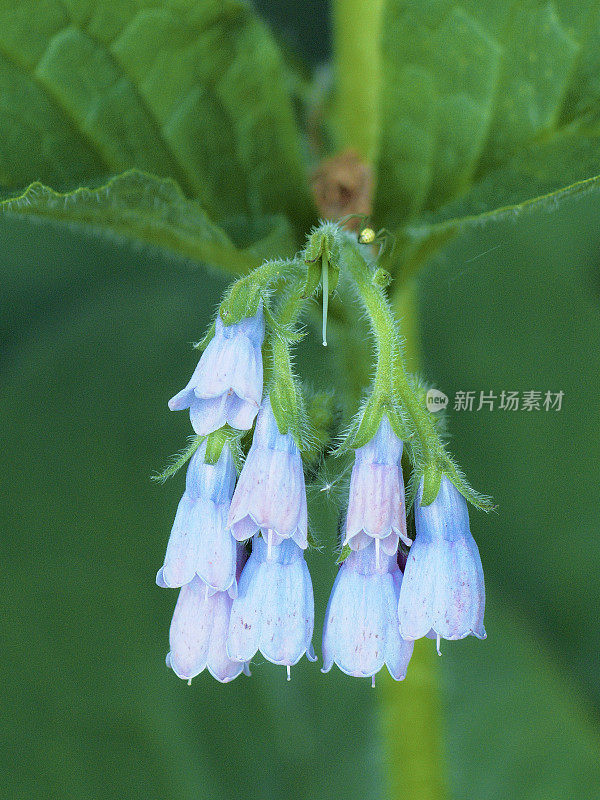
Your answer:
<point x="380" y="317"/>
<point x="391" y="378"/>
<point x="292" y="302"/>
<point x="286" y="396"/>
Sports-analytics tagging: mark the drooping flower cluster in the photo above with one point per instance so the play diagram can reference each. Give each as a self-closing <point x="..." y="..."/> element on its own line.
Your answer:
<point x="237" y="545"/>
<point x="375" y="612"/>
<point x="230" y="606"/>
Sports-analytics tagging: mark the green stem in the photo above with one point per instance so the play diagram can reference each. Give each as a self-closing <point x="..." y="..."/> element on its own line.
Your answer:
<point x="291" y="304"/>
<point x="269" y="272"/>
<point x="405" y="307"/>
<point x="357" y="70"/>
<point x="285" y="394"/>
<point x="243" y="295"/>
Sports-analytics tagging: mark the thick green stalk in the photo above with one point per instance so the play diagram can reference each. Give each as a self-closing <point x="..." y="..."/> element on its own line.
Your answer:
<point x="356" y="26"/>
<point x="404" y="306"/>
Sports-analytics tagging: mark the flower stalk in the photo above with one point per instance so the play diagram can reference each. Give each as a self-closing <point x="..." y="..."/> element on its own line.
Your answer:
<point x="357" y="25"/>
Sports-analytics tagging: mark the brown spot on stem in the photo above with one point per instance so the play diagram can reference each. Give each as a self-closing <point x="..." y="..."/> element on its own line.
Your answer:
<point x="343" y="185"/>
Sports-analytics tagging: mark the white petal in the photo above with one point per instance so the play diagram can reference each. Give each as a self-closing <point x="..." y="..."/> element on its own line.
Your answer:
<point x="183" y="398"/>
<point x="190" y="631"/>
<point x="207" y="416"/>
<point x="244" y="632"/>
<point x="240" y="413"/>
<point x="216" y="562"/>
<point x="219" y="664"/>
<point x="288" y="612"/>
<point x="182" y="550"/>
<point x="417" y="594"/>
<point x="398" y="651"/>
<point x="354" y="633"/>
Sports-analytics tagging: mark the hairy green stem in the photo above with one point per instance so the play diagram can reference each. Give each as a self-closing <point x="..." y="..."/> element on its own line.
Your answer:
<point x="268" y="272"/>
<point x="379" y="316"/>
<point x="284" y="391"/>
<point x="292" y="303"/>
<point x="391" y="377"/>
<point x="405" y="308"/>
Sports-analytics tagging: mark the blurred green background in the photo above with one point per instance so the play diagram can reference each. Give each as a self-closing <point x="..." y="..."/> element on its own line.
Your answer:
<point x="95" y="340"/>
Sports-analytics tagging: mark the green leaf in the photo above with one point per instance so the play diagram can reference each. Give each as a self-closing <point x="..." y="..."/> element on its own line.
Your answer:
<point x="538" y="58"/>
<point x="152" y="211"/>
<point x="437" y="100"/>
<point x="187" y="90"/>
<point x="468" y="85"/>
<point x="541" y="178"/>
